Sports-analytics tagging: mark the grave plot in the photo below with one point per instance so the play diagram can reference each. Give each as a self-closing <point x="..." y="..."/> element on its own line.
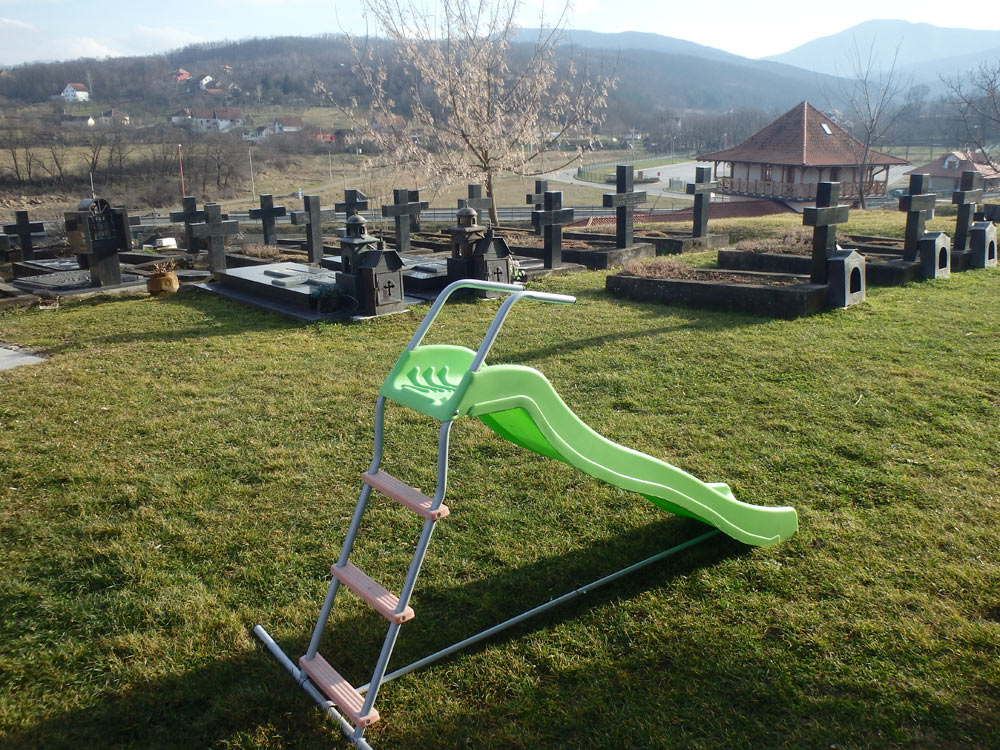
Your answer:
<point x="100" y="235"/>
<point x="664" y="242"/>
<point x="831" y="277"/>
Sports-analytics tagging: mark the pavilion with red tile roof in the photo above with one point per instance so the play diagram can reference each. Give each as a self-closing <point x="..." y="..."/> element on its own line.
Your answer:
<point x="787" y="158"/>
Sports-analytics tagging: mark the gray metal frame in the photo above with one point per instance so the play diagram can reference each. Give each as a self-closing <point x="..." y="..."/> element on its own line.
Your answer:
<point x="379" y="677"/>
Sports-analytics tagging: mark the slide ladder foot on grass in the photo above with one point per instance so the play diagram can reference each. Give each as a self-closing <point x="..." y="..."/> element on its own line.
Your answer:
<point x="519" y="404"/>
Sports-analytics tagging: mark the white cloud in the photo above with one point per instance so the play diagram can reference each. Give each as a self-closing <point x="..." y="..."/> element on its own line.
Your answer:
<point x="13" y="23"/>
<point x="81" y="46"/>
<point x="155" y="39"/>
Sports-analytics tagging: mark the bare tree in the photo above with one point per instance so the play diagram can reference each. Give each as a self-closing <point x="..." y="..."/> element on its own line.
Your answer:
<point x="872" y="96"/>
<point x="455" y="97"/>
<point x="976" y="97"/>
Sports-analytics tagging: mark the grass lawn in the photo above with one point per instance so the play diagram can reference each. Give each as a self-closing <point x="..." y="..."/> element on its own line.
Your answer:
<point x="184" y="468"/>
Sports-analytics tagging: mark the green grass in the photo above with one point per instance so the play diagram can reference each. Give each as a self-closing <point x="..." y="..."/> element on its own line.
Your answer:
<point x="182" y="469"/>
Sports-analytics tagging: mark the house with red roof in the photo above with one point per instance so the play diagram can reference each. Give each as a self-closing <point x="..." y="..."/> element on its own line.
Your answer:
<point x="946" y="170"/>
<point x="803" y="147"/>
<point x="76" y="92"/>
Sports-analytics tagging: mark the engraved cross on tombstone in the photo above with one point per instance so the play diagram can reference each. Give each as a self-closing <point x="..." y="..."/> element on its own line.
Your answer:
<point x="624" y="201"/>
<point x="919" y="207"/>
<point x="402" y="208"/>
<point x="267" y="213"/>
<point x="476" y="201"/>
<point x="824" y="219"/>
<point x="535" y="199"/>
<point x="354" y="202"/>
<point x="22" y="228"/>
<point x="701" y="189"/>
<point x="189" y="214"/>
<point x="215" y="231"/>
<point x="969" y="193"/>
<point x="313" y="217"/>
<point x="550" y="220"/>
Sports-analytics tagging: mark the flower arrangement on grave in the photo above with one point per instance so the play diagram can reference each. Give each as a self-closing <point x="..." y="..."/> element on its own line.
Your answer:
<point x="163" y="279"/>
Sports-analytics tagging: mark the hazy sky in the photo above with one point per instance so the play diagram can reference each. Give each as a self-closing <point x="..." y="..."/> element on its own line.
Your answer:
<point x="60" y="29"/>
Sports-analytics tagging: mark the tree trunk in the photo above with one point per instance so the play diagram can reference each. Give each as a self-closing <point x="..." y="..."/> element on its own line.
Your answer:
<point x="494" y="218"/>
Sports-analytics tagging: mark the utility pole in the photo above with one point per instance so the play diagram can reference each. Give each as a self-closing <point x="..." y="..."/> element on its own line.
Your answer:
<point x="180" y="161"/>
<point x="253" y="186"/>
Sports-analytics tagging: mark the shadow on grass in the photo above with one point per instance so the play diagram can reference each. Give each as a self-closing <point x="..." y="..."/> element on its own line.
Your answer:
<point x="253" y="698"/>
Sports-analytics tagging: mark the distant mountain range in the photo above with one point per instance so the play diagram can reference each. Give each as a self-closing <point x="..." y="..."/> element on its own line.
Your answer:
<point x="924" y="50"/>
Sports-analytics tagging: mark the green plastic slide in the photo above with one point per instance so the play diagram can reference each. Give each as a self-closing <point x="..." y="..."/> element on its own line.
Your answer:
<point x="520" y="404"/>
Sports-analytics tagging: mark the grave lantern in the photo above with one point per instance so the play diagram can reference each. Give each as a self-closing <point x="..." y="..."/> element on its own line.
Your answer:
<point x="983" y="245"/>
<point x="98" y="233"/>
<point x="935" y="255"/>
<point x="355" y="242"/>
<point x="381" y="281"/>
<point x="465" y="233"/>
<point x="846" y="278"/>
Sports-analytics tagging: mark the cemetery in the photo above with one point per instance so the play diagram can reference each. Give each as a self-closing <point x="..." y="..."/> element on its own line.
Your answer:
<point x="699" y="483"/>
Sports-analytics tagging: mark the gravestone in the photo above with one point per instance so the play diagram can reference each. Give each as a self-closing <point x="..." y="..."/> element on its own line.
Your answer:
<point x="381" y="281"/>
<point x="414" y="196"/>
<point x="919" y="207"/>
<point x="355" y="242"/>
<point x="624" y="200"/>
<point x="190" y="215"/>
<point x="22" y="228"/>
<point x="969" y="193"/>
<point x="100" y="232"/>
<point x="935" y="255"/>
<point x="464" y="235"/>
<point x="214" y="229"/>
<point x="983" y="245"/>
<point x="267" y="213"/>
<point x="401" y="210"/>
<point x="550" y="220"/>
<point x="313" y="217"/>
<point x="354" y="202"/>
<point x="477" y="202"/>
<point x="6" y="254"/>
<point x="536" y="198"/>
<point x="701" y="189"/>
<point x="824" y="219"/>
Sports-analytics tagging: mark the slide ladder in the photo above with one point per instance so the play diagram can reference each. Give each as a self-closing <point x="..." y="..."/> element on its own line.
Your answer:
<point x="441" y="381"/>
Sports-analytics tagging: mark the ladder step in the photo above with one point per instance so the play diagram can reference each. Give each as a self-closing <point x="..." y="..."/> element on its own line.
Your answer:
<point x="405" y="495"/>
<point x="384" y="603"/>
<point x="338" y="690"/>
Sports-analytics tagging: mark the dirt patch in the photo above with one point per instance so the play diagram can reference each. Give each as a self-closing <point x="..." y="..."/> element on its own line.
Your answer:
<point x="789" y="241"/>
<point x="664" y="267"/>
<point x="269" y="252"/>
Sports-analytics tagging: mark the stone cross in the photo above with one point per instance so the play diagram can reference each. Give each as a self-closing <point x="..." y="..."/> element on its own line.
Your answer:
<point x="550" y="221"/>
<point x="624" y="200"/>
<point x="919" y="207"/>
<point x="969" y="193"/>
<point x="701" y="189"/>
<point x="477" y="202"/>
<point x="535" y="199"/>
<point x="267" y="213"/>
<point x="402" y="208"/>
<point x="354" y="202"/>
<point x="414" y="196"/>
<point x="313" y="217"/>
<point x="22" y="229"/>
<point x="189" y="214"/>
<point x="824" y="219"/>
<point x="215" y="231"/>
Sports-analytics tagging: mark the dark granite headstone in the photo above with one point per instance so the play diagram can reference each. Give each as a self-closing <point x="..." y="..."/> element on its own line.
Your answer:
<point x="536" y="198"/>
<point x="22" y="228"/>
<point x="464" y="235"/>
<point x="353" y="245"/>
<point x="354" y="202"/>
<point x="624" y="200"/>
<point x="491" y="260"/>
<point x="381" y="275"/>
<point x="969" y="193"/>
<point x="824" y="219"/>
<point x="477" y="202"/>
<point x="313" y="217"/>
<point x="414" y="196"/>
<point x="6" y="254"/>
<point x="402" y="209"/>
<point x="701" y="189"/>
<point x="215" y="230"/>
<point x="190" y="215"/>
<point x="919" y="207"/>
<point x="267" y="213"/>
<point x="100" y="232"/>
<point x="550" y="220"/>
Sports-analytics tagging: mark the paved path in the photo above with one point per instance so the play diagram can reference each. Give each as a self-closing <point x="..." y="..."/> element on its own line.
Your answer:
<point x="13" y="358"/>
<point x="683" y="171"/>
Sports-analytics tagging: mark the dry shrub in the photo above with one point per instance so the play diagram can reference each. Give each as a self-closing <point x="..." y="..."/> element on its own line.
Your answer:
<point x="661" y="267"/>
<point x="261" y="251"/>
<point x="796" y="240"/>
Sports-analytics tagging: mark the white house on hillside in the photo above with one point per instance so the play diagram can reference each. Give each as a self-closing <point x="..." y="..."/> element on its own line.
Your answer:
<point x="76" y="92"/>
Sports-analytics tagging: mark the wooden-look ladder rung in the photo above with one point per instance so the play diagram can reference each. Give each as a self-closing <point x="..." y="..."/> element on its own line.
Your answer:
<point x="361" y="584"/>
<point x="338" y="690"/>
<point x="405" y="495"/>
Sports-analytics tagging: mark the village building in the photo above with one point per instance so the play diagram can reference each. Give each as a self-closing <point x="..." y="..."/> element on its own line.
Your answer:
<point x="789" y="157"/>
<point x="946" y="171"/>
<point x="217" y="120"/>
<point x="114" y="117"/>
<point x="75" y="92"/>
<point x="77" y="121"/>
<point x="289" y="124"/>
<point x="180" y="116"/>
